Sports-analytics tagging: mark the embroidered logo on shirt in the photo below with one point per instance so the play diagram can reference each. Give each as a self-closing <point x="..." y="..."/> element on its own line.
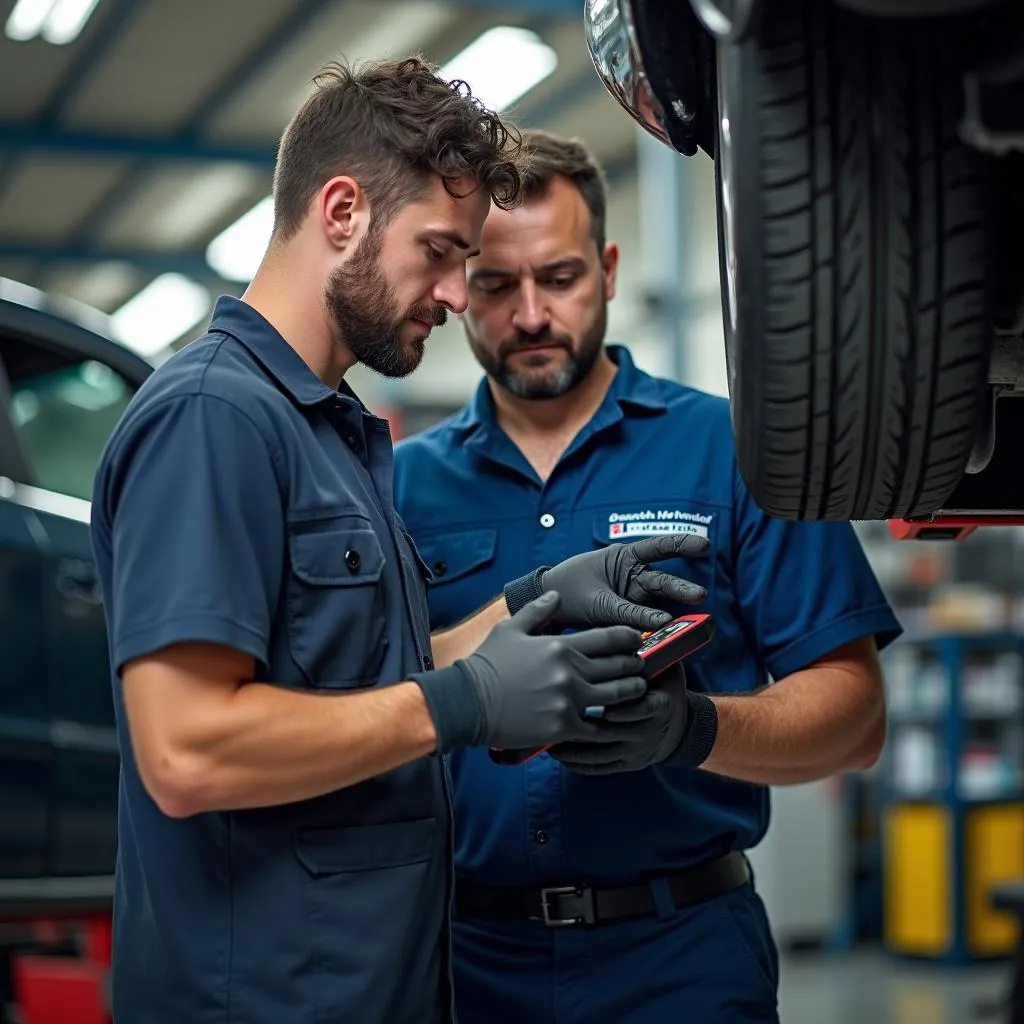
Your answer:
<point x="649" y="522"/>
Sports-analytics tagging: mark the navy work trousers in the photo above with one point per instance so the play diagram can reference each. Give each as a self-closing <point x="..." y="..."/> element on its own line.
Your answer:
<point x="706" y="964"/>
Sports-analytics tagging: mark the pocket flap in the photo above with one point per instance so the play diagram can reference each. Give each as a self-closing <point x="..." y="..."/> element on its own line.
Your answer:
<point x="335" y="556"/>
<point x="333" y="850"/>
<point x="451" y="556"/>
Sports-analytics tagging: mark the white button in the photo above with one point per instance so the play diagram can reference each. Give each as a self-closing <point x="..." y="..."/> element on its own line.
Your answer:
<point x="547" y="520"/>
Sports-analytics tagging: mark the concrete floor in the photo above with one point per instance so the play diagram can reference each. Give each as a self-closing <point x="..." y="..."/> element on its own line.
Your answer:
<point x="867" y="987"/>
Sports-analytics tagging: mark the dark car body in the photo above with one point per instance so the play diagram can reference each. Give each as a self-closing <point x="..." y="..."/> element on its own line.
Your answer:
<point x="63" y="385"/>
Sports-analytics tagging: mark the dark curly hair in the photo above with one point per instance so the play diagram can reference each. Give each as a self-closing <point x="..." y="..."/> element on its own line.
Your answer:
<point x="390" y="124"/>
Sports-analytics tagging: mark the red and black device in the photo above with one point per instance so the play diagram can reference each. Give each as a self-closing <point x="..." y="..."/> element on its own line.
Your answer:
<point x="660" y="649"/>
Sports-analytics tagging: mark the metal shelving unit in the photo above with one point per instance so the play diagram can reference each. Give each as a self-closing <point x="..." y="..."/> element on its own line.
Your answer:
<point x="953" y="804"/>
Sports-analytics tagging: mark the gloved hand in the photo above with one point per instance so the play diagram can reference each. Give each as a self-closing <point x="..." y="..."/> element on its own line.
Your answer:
<point x="519" y="689"/>
<point x="614" y="584"/>
<point x="635" y="735"/>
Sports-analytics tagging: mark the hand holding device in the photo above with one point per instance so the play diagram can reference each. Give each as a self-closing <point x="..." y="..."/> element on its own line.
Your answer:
<point x="660" y="651"/>
<point x="636" y="735"/>
<point x="519" y="689"/>
<point x="614" y="584"/>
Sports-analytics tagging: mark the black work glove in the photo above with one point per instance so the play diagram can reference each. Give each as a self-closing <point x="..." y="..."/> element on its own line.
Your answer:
<point x="613" y="585"/>
<point x="519" y="689"/>
<point x="635" y="735"/>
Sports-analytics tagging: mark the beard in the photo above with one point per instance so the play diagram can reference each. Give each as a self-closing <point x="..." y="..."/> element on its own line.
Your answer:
<point x="366" y="312"/>
<point x="543" y="376"/>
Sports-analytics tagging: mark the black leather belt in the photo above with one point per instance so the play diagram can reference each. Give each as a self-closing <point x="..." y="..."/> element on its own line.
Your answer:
<point x="561" y="906"/>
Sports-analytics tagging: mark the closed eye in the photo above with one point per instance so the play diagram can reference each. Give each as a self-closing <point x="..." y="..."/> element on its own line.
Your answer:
<point x="561" y="281"/>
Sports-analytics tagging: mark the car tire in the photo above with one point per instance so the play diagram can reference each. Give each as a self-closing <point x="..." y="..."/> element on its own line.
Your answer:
<point x="854" y="246"/>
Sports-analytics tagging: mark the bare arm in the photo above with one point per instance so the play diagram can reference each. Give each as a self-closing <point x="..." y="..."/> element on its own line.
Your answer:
<point x="205" y="738"/>
<point x="825" y="719"/>
<point x="460" y="641"/>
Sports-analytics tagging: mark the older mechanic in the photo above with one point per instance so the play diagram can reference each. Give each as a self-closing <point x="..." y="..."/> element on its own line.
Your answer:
<point x="283" y="833"/>
<point x="607" y="882"/>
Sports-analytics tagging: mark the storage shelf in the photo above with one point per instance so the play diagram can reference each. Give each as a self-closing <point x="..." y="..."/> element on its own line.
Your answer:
<point x="953" y="792"/>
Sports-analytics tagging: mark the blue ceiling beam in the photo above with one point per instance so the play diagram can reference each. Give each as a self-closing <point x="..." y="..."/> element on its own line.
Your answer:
<point x="28" y="138"/>
<point x="93" y="49"/>
<point x="256" y="62"/>
<point x="229" y="87"/>
<point x="18" y="138"/>
<point x="46" y="254"/>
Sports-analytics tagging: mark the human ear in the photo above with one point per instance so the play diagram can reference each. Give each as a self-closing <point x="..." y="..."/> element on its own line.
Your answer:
<point x="342" y="208"/>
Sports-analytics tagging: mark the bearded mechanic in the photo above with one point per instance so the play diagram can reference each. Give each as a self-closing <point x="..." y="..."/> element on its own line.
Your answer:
<point x="283" y="832"/>
<point x="607" y="881"/>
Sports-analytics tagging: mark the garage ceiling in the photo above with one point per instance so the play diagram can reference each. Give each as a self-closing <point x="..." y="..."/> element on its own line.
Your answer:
<point x="124" y="152"/>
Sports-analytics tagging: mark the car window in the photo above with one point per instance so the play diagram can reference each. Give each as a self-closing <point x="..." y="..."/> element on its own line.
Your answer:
<point x="63" y="411"/>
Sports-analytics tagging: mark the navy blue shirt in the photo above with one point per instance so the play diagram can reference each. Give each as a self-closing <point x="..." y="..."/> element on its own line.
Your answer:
<point x="242" y="502"/>
<point x="656" y="457"/>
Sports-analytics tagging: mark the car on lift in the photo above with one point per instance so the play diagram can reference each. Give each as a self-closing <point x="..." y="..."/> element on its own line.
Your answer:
<point x="869" y="163"/>
<point x="64" y="382"/>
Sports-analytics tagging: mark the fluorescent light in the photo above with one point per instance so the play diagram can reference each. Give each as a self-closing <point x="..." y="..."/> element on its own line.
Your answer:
<point x="161" y="313"/>
<point x="237" y="251"/>
<point x="190" y="211"/>
<point x="502" y="65"/>
<point x="27" y="19"/>
<point x="57" y="21"/>
<point x="67" y="19"/>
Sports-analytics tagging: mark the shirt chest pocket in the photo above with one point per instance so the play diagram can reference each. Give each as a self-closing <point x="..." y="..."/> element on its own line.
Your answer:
<point x="337" y="628"/>
<point x="701" y="570"/>
<point x="461" y="566"/>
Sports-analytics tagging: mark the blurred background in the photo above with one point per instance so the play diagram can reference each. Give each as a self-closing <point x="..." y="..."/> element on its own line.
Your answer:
<point x="137" y="140"/>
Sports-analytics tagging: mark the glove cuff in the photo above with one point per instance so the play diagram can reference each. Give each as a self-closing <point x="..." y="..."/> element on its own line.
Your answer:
<point x="700" y="733"/>
<point x="454" y="705"/>
<point x="522" y="591"/>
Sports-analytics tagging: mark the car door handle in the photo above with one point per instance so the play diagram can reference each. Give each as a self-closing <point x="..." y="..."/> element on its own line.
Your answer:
<point x="77" y="580"/>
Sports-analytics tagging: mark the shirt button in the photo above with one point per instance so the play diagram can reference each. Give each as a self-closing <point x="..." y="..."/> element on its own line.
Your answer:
<point x="540" y="836"/>
<point x="352" y="559"/>
<point x="547" y="520"/>
<point x="440" y="568"/>
<point x="351" y="441"/>
<point x="428" y="663"/>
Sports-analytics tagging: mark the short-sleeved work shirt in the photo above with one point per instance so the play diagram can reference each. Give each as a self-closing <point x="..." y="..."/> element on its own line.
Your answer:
<point x="656" y="457"/>
<point x="242" y="502"/>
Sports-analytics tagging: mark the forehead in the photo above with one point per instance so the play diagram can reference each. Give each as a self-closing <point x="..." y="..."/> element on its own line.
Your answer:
<point x="437" y="209"/>
<point x="557" y="219"/>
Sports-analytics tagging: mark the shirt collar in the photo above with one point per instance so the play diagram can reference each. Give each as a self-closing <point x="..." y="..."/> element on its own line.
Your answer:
<point x="248" y="326"/>
<point x="629" y="387"/>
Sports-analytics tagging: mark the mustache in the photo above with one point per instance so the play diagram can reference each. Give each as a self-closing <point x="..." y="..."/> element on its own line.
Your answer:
<point x="521" y="340"/>
<point x="436" y="316"/>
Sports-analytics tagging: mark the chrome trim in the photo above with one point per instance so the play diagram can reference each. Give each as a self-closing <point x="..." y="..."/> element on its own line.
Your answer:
<point x="724" y="160"/>
<point x="611" y="39"/>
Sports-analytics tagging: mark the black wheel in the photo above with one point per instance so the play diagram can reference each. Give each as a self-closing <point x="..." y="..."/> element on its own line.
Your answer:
<point x="854" y="242"/>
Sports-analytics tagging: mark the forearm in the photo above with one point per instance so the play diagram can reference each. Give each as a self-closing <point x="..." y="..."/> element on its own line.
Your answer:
<point x="827" y="719"/>
<point x="462" y="640"/>
<point x="264" y="745"/>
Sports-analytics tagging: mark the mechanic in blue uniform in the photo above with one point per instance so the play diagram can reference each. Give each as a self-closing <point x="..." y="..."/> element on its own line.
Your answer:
<point x="606" y="881"/>
<point x="284" y="842"/>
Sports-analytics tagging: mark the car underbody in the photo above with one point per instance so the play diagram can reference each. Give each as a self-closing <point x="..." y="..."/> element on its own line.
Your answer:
<point x="869" y="156"/>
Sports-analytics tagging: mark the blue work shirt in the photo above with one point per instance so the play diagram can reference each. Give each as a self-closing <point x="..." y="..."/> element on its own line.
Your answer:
<point x="655" y="457"/>
<point x="242" y="502"/>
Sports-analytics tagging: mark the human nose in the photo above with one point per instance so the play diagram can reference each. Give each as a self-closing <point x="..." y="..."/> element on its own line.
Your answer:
<point x="530" y="315"/>
<point x="451" y="291"/>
